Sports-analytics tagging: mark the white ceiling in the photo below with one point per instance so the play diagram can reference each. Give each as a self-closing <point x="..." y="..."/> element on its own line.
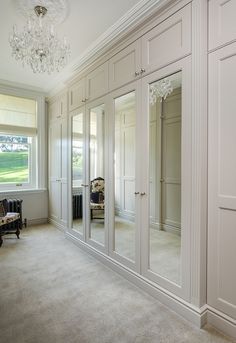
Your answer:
<point x="87" y="20"/>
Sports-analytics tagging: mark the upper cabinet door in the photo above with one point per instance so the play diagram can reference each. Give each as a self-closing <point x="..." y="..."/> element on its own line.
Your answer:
<point x="222" y="23"/>
<point x="76" y="94"/>
<point x="63" y="105"/>
<point x="125" y="66"/>
<point x="97" y="82"/>
<point x="53" y="112"/>
<point x="167" y="42"/>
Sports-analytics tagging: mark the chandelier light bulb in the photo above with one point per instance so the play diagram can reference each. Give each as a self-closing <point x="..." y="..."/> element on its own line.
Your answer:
<point x="38" y="46"/>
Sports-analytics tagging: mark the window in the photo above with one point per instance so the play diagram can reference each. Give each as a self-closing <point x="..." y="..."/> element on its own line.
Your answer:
<point x="18" y="142"/>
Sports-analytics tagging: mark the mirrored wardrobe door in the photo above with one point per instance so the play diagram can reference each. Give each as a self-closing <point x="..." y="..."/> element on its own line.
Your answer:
<point x="125" y="233"/>
<point x="78" y="179"/>
<point x="97" y="180"/>
<point x="166" y="227"/>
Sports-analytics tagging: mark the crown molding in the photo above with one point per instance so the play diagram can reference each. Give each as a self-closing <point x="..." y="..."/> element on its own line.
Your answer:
<point x="132" y="19"/>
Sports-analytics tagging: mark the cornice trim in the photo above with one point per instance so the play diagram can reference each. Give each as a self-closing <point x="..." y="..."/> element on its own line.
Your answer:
<point x="132" y="18"/>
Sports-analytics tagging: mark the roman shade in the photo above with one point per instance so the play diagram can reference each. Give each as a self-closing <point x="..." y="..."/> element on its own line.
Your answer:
<point x="18" y="115"/>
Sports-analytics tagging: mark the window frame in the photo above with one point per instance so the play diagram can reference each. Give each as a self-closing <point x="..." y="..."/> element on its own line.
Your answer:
<point x="39" y="148"/>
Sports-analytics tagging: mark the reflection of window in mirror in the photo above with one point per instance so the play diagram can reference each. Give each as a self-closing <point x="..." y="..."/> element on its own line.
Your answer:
<point x="97" y="142"/>
<point x="97" y="180"/>
<point x="77" y="150"/>
<point x="165" y="176"/>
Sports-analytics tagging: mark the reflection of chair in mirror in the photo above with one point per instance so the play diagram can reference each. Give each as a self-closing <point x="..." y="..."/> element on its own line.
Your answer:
<point x="97" y="196"/>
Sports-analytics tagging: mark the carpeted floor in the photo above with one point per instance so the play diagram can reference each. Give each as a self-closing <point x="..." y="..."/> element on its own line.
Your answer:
<point x="52" y="292"/>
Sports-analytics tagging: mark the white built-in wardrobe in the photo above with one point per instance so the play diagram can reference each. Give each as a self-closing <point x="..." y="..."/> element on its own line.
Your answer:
<point x="151" y="121"/>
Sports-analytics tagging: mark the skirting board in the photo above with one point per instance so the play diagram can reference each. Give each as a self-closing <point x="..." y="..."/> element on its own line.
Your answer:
<point x="56" y="224"/>
<point x="221" y="322"/>
<point x="37" y="221"/>
<point x="196" y="316"/>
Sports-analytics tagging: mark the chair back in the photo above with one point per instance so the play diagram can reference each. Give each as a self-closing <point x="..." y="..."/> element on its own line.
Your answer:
<point x="97" y="190"/>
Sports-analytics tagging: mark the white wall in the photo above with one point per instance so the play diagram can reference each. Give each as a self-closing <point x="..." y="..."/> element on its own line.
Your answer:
<point x="35" y="204"/>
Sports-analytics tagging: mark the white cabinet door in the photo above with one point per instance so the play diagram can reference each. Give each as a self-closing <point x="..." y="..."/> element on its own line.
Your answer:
<point x="63" y="105"/>
<point x="76" y="94"/>
<point x="54" y="169"/>
<point x="58" y="171"/>
<point x="166" y="178"/>
<point x="222" y="23"/>
<point x="97" y="82"/>
<point x="64" y="169"/>
<point x="53" y="111"/>
<point x="222" y="181"/>
<point x="168" y="41"/>
<point x="58" y="108"/>
<point x="124" y="66"/>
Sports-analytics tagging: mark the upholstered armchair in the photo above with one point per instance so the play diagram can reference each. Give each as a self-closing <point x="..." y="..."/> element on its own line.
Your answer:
<point x="10" y="217"/>
<point x="97" y="196"/>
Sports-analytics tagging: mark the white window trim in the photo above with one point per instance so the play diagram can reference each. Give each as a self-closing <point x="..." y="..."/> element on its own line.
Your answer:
<point x="41" y="164"/>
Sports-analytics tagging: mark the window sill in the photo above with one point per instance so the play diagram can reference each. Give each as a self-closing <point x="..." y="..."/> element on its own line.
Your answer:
<point x="22" y="191"/>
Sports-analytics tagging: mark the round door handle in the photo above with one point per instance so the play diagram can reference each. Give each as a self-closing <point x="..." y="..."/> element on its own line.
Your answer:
<point x="142" y="193"/>
<point x="136" y="74"/>
<point x="136" y="193"/>
<point x="142" y="70"/>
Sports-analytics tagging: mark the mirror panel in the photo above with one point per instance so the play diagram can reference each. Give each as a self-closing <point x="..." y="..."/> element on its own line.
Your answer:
<point x="77" y="171"/>
<point x="97" y="174"/>
<point x="124" y="159"/>
<point x="165" y="177"/>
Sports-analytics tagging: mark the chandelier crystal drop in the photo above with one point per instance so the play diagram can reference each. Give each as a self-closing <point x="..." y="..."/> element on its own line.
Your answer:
<point x="38" y="46"/>
<point x="160" y="89"/>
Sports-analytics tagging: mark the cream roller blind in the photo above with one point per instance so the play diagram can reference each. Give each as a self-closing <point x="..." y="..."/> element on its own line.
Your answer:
<point x="18" y="115"/>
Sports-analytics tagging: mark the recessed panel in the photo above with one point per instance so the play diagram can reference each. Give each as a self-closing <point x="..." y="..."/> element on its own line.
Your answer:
<point x="227" y="257"/>
<point x="227" y="125"/>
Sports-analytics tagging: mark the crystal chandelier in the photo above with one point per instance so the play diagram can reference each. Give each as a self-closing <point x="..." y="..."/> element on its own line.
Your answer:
<point x="38" y="46"/>
<point x="160" y="90"/>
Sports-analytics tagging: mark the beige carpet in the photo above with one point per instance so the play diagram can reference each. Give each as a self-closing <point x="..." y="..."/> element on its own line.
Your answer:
<point x="52" y="292"/>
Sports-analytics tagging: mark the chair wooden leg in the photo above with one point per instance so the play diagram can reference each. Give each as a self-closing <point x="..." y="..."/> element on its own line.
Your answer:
<point x="18" y="233"/>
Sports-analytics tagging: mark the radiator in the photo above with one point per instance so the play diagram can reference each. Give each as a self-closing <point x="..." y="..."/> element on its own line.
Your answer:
<point x="77" y="206"/>
<point x="15" y="205"/>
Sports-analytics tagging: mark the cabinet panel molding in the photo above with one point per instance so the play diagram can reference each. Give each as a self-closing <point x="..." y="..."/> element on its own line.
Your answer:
<point x="124" y="65"/>
<point x="168" y="41"/>
<point x="76" y="94"/>
<point x="97" y="82"/>
<point x="222" y="24"/>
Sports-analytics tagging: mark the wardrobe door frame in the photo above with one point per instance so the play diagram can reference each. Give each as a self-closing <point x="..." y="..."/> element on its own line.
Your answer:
<point x="72" y="231"/>
<point x="90" y="241"/>
<point x="182" y="290"/>
<point x="136" y="87"/>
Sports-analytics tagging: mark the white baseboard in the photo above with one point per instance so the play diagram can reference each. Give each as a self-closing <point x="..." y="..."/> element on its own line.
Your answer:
<point x="190" y="312"/>
<point x="38" y="221"/>
<point x="221" y="322"/>
<point x="56" y="224"/>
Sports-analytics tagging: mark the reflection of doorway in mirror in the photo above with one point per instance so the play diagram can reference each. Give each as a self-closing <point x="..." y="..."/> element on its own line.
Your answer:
<point x="165" y="181"/>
